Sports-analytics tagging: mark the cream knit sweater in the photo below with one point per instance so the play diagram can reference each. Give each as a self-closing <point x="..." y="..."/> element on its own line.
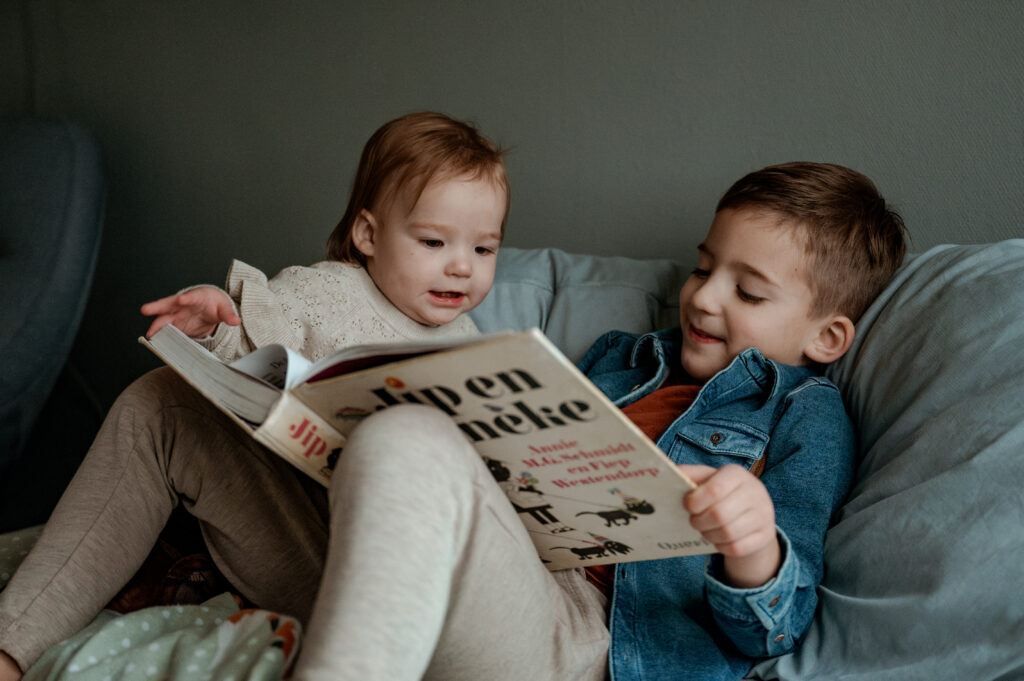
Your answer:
<point x="316" y="310"/>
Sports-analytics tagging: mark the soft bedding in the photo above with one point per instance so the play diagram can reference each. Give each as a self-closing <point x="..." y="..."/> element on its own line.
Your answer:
<point x="215" y="640"/>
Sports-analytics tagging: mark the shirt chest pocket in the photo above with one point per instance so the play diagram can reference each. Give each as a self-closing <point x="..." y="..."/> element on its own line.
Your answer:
<point x="716" y="444"/>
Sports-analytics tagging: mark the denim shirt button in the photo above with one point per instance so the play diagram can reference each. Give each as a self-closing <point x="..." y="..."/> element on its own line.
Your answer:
<point x="779" y="638"/>
<point x="716" y="438"/>
<point x="774" y="602"/>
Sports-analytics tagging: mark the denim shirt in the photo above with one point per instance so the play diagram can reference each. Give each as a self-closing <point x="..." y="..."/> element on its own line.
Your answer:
<point x="673" y="618"/>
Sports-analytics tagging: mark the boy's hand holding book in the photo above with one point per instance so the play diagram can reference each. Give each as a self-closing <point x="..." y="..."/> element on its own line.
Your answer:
<point x="732" y="509"/>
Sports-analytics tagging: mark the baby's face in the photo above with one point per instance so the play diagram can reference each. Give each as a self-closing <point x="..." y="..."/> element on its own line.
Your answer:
<point x="750" y="289"/>
<point x="437" y="261"/>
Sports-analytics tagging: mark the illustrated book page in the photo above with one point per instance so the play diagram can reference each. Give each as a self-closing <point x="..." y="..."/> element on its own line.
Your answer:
<point x="588" y="485"/>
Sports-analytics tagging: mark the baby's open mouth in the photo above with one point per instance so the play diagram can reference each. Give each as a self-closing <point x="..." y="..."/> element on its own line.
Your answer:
<point x="447" y="294"/>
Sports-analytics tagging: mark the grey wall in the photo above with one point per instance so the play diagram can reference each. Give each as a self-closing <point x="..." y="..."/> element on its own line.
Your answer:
<point x="232" y="129"/>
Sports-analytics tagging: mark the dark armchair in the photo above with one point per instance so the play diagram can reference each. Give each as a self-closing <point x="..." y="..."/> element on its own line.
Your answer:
<point x="51" y="215"/>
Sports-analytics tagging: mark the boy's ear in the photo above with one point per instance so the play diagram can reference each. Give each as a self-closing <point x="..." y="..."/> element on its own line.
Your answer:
<point x="364" y="231"/>
<point x="833" y="340"/>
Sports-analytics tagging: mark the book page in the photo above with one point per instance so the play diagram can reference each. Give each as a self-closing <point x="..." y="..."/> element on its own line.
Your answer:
<point x="240" y="394"/>
<point x="277" y="365"/>
<point x="587" y="484"/>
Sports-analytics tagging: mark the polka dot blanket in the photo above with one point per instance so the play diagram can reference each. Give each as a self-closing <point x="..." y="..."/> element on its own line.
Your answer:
<point x="215" y="641"/>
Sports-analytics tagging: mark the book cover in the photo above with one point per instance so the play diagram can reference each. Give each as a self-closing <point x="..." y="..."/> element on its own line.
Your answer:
<point x="588" y="485"/>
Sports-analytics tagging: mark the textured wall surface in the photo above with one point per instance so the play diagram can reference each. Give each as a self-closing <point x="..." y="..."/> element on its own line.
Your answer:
<point x="232" y="129"/>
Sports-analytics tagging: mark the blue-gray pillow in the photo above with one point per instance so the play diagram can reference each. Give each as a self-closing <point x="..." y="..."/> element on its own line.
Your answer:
<point x="925" y="566"/>
<point x="575" y="298"/>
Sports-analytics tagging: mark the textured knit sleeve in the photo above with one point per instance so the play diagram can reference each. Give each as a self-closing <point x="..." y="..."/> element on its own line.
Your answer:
<point x="315" y="311"/>
<point x="264" y="320"/>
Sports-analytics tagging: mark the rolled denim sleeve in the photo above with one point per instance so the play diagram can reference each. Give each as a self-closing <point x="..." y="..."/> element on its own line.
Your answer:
<point x="809" y="470"/>
<point x="758" y="620"/>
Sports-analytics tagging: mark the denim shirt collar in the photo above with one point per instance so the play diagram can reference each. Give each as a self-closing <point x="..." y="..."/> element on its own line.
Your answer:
<point x="662" y="349"/>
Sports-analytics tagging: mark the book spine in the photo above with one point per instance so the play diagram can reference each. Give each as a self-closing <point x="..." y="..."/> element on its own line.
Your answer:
<point x="293" y="431"/>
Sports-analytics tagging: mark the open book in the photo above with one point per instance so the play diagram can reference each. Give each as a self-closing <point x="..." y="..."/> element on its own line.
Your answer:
<point x="588" y="485"/>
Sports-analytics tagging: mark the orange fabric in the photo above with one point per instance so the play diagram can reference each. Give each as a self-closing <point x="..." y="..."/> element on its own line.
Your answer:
<point x="656" y="412"/>
<point x="652" y="414"/>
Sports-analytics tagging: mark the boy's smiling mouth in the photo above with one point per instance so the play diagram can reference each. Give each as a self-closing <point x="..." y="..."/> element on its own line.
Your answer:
<point x="701" y="336"/>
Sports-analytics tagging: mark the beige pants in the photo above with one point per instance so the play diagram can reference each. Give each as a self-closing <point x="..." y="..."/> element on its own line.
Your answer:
<point x="430" y="573"/>
<point x="163" y="444"/>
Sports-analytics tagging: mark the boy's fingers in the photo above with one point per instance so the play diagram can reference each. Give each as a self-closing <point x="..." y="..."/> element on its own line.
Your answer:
<point x="697" y="473"/>
<point x="743" y="546"/>
<point x="714" y="487"/>
<point x="721" y="513"/>
<point x="733" y="524"/>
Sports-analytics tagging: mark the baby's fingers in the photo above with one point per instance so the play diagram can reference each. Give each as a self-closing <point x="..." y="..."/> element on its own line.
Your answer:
<point x="226" y="312"/>
<point x="160" y="306"/>
<point x="158" y="323"/>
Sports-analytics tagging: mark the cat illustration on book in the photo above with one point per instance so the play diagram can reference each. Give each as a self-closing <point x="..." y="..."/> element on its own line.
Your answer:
<point x="622" y="516"/>
<point x="598" y="550"/>
<point x="614" y="517"/>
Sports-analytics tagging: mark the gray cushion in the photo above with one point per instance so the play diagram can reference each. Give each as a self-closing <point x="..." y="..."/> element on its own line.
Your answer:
<point x="925" y="567"/>
<point x="575" y="298"/>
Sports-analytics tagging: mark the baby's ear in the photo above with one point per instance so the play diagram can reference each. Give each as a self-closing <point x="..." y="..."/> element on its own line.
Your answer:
<point x="364" y="232"/>
<point x="833" y="340"/>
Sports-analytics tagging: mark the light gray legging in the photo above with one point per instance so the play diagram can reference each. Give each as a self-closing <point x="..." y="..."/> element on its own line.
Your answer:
<point x="430" y="573"/>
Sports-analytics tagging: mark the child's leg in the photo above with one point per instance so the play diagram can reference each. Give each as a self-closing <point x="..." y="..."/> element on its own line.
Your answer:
<point x="430" y="573"/>
<point x="162" y="443"/>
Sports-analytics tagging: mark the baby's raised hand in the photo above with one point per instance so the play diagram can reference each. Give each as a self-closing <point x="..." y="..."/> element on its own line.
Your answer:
<point x="732" y="509"/>
<point x="196" y="311"/>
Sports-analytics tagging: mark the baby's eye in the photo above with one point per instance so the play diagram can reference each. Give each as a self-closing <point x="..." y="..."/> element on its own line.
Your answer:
<point x="432" y="243"/>
<point x="748" y="297"/>
<point x="484" y="250"/>
<point x="698" y="272"/>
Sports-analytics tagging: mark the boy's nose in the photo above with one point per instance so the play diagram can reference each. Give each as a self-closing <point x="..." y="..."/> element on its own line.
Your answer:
<point x="705" y="298"/>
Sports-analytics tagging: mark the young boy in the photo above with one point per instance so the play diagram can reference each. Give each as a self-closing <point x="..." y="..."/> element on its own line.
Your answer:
<point x="794" y="255"/>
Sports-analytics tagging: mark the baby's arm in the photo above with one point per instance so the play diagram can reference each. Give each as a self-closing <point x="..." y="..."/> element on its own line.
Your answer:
<point x="732" y="509"/>
<point x="197" y="311"/>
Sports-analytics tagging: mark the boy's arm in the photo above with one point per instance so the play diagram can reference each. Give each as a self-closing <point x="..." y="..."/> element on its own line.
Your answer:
<point x="809" y="470"/>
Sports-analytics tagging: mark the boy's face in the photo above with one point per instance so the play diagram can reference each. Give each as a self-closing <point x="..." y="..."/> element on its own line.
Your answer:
<point x="436" y="261"/>
<point x="750" y="289"/>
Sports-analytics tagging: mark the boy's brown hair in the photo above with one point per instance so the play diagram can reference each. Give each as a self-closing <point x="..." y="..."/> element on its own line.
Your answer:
<point x="402" y="157"/>
<point x="853" y="241"/>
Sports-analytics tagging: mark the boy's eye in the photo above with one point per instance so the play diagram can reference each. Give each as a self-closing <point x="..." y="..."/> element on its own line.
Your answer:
<point x="698" y="272"/>
<point x="748" y="297"/>
<point x="483" y="250"/>
<point x="432" y="243"/>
